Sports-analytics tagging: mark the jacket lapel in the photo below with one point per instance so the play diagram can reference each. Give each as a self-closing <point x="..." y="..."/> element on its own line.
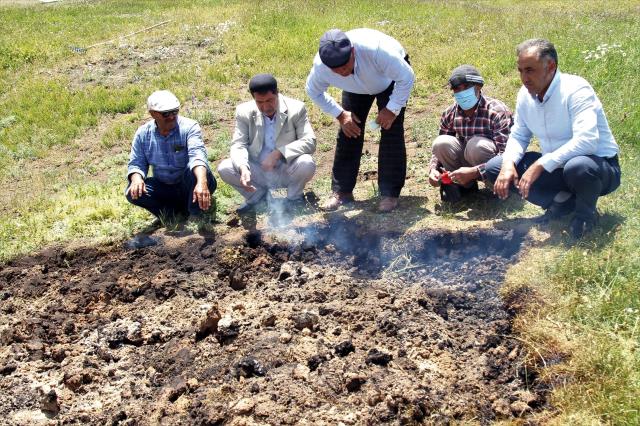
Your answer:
<point x="259" y="126"/>
<point x="282" y="117"/>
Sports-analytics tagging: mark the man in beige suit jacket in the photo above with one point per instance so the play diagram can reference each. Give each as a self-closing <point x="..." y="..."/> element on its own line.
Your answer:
<point x="271" y="147"/>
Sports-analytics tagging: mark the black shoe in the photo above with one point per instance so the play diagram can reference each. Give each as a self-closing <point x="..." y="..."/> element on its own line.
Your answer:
<point x="450" y="193"/>
<point x="151" y="227"/>
<point x="467" y="190"/>
<point x="293" y="206"/>
<point x="557" y="210"/>
<point x="579" y="227"/>
<point x="248" y="208"/>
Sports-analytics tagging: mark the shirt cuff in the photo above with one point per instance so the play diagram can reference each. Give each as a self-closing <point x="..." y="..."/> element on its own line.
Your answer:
<point x="513" y="157"/>
<point x="196" y="163"/>
<point x="548" y="163"/>
<point x="394" y="107"/>
<point x="133" y="170"/>
<point x="335" y="112"/>
<point x="482" y="171"/>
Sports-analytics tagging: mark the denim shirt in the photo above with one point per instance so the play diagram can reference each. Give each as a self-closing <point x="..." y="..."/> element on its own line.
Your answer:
<point x="168" y="155"/>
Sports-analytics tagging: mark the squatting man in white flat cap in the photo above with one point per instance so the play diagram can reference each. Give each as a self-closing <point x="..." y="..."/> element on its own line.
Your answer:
<point x="172" y="145"/>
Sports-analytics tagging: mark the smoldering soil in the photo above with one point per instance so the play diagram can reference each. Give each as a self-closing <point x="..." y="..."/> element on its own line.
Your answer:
<point x="320" y="325"/>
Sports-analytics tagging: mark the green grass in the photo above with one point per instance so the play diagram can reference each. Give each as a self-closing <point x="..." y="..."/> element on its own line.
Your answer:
<point x="66" y="122"/>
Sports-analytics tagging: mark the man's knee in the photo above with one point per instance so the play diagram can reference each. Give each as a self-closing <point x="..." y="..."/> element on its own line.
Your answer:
<point x="226" y="170"/>
<point x="304" y="167"/>
<point x="443" y="144"/>
<point x="479" y="150"/>
<point x="580" y="170"/>
<point x="492" y="168"/>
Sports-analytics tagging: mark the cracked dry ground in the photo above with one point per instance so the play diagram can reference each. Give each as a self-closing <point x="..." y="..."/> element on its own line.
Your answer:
<point x="336" y="325"/>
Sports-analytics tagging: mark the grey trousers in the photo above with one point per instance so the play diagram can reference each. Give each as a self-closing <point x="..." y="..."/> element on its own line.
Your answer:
<point x="293" y="176"/>
<point x="450" y="153"/>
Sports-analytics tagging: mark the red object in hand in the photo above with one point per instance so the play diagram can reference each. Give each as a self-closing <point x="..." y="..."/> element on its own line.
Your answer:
<point x="445" y="179"/>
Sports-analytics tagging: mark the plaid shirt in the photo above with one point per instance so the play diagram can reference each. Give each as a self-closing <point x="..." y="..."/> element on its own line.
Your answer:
<point x="492" y="119"/>
<point x="168" y="155"/>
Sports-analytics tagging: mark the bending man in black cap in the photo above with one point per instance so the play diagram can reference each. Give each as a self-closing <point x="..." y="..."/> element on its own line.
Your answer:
<point x="472" y="131"/>
<point x="367" y="65"/>
<point x="271" y="147"/>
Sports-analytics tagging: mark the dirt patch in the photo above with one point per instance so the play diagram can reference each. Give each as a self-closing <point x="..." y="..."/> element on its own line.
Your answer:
<point x="324" y="324"/>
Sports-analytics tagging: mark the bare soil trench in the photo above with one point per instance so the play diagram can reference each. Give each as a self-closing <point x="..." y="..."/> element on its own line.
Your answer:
<point x="327" y="324"/>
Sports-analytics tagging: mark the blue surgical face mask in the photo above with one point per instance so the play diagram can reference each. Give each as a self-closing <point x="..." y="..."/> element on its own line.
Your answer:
<point x="466" y="98"/>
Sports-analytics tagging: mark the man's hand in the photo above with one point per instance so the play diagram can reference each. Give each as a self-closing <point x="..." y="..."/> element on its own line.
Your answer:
<point x="434" y="177"/>
<point x="271" y="161"/>
<point x="137" y="186"/>
<point x="507" y="176"/>
<point x="201" y="190"/>
<point x="245" y="179"/>
<point x="528" y="177"/>
<point x="385" y="118"/>
<point x="349" y="124"/>
<point x="464" y="175"/>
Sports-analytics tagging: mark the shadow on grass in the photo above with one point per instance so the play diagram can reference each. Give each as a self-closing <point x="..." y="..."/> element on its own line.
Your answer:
<point x="410" y="210"/>
<point x="602" y="236"/>
<point x="482" y="205"/>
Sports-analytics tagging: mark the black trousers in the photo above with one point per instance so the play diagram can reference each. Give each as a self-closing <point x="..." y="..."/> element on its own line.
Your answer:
<point x="167" y="200"/>
<point x="586" y="176"/>
<point x="392" y="154"/>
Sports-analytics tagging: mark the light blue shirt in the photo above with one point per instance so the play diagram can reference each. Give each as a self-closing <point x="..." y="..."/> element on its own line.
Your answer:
<point x="569" y="122"/>
<point x="168" y="155"/>
<point x="269" y="137"/>
<point x="379" y="60"/>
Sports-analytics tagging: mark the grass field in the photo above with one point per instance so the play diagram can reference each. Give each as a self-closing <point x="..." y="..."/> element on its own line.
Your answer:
<point x="67" y="118"/>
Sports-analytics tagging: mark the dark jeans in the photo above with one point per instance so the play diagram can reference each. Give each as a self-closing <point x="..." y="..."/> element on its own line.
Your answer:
<point x="392" y="156"/>
<point x="169" y="200"/>
<point x="586" y="176"/>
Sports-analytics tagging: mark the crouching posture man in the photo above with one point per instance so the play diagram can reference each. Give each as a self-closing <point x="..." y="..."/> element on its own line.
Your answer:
<point x="472" y="131"/>
<point x="182" y="183"/>
<point x="271" y="147"/>
<point x="579" y="159"/>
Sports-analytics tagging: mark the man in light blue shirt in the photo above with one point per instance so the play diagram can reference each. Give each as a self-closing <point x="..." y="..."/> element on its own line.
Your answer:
<point x="172" y="145"/>
<point x="579" y="159"/>
<point x="367" y="65"/>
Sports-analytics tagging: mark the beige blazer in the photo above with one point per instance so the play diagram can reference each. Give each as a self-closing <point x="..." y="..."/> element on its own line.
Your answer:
<point x="294" y="135"/>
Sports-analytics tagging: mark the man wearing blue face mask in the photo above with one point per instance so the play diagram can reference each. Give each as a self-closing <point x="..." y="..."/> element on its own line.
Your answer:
<point x="472" y="131"/>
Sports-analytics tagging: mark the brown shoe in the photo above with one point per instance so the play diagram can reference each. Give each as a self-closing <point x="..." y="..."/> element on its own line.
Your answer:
<point x="336" y="200"/>
<point x="387" y="204"/>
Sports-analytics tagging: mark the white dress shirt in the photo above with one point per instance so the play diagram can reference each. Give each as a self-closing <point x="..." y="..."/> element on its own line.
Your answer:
<point x="269" y="137"/>
<point x="379" y="60"/>
<point x="569" y="122"/>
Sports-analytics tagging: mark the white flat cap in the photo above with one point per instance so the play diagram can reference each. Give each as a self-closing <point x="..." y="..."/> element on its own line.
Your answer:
<point x="162" y="100"/>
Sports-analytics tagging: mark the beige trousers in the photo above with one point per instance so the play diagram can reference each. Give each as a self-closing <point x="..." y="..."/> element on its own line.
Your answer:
<point x="292" y="176"/>
<point x="452" y="155"/>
